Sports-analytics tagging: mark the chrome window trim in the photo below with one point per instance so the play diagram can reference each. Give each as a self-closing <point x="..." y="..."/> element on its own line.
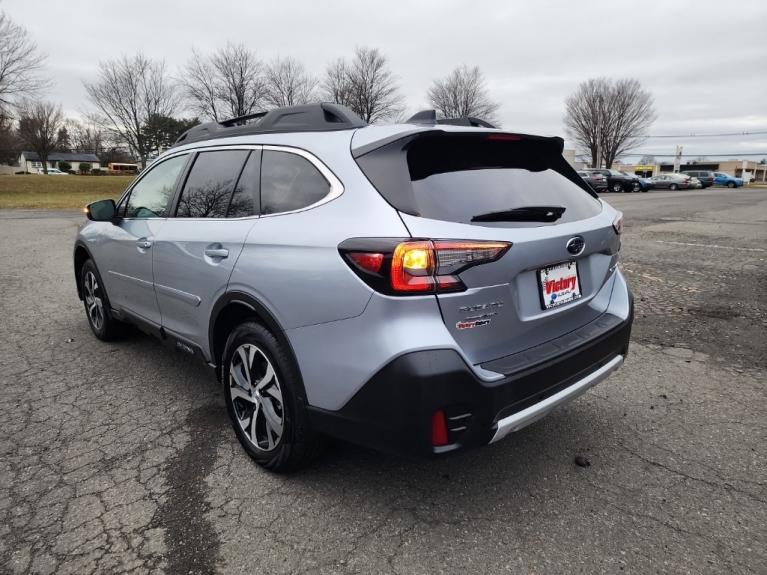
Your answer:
<point x="336" y="187"/>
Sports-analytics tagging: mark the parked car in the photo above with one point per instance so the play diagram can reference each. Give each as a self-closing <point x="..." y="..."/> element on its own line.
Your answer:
<point x="705" y="177"/>
<point x="618" y="181"/>
<point x="639" y="184"/>
<point x="671" y="182"/>
<point x="724" y="179"/>
<point x="647" y="184"/>
<point x="414" y="288"/>
<point x="51" y="172"/>
<point x="596" y="180"/>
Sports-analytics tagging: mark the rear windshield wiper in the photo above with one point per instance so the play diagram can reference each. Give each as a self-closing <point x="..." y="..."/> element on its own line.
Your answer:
<point x="526" y="214"/>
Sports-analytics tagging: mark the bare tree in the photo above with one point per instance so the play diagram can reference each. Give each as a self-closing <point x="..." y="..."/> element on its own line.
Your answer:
<point x="608" y="118"/>
<point x="630" y="113"/>
<point x="462" y="94"/>
<point x="365" y="85"/>
<point x="227" y="84"/>
<point x="20" y="65"/>
<point x="288" y="83"/>
<point x="39" y="125"/>
<point x="337" y="85"/>
<point x="86" y="136"/>
<point x="584" y="117"/>
<point x="10" y="145"/>
<point x="128" y="93"/>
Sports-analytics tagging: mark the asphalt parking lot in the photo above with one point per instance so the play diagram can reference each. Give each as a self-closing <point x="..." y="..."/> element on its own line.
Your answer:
<point x="119" y="457"/>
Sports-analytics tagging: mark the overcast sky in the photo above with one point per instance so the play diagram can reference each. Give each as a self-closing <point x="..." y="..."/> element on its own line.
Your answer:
<point x="705" y="62"/>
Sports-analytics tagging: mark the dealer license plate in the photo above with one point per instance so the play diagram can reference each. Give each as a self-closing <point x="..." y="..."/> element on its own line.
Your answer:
<point x="559" y="284"/>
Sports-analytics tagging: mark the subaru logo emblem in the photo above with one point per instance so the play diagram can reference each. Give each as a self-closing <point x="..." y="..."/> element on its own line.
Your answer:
<point x="575" y="245"/>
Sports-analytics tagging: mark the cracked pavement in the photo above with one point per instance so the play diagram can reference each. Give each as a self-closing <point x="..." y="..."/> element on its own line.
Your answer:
<point x="119" y="457"/>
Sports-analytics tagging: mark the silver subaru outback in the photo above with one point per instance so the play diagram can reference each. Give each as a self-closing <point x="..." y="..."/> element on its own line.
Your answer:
<point x="416" y="288"/>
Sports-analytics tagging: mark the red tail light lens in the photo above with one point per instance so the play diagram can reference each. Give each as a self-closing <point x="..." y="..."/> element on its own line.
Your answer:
<point x="439" y="429"/>
<point x="401" y="267"/>
<point x="370" y="262"/>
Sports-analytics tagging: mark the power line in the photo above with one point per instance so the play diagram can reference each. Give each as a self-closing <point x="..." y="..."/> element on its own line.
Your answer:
<point x="720" y="135"/>
<point x="764" y="154"/>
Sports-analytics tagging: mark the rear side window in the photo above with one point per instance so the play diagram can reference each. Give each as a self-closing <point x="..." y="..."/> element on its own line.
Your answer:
<point x="456" y="177"/>
<point x="289" y="182"/>
<point x="210" y="184"/>
<point x="150" y="197"/>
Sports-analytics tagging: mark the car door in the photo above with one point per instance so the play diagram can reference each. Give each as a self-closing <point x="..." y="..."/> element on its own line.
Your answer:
<point x="196" y="248"/>
<point x="125" y="252"/>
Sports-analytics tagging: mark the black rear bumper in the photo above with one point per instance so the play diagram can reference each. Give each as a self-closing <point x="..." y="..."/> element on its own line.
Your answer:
<point x="393" y="411"/>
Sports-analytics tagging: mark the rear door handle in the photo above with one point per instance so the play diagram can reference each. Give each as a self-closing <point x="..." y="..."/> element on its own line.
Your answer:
<point x="144" y="243"/>
<point x="217" y="252"/>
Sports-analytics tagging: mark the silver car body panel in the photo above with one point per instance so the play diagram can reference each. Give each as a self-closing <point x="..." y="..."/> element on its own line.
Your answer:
<point x="341" y="331"/>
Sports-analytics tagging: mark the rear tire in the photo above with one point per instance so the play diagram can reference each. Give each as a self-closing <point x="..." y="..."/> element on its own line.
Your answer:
<point x="616" y="187"/>
<point x="265" y="400"/>
<point x="673" y="187"/>
<point x="636" y="187"/>
<point x="97" y="309"/>
<point x="732" y="185"/>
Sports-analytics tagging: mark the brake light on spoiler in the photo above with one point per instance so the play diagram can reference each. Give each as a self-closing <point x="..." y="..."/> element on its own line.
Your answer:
<point x="401" y="266"/>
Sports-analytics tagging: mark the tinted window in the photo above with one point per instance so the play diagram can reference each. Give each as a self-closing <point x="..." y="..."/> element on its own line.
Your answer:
<point x="245" y="199"/>
<point x="151" y="195"/>
<point x="210" y="184"/>
<point x="289" y="182"/>
<point x="454" y="177"/>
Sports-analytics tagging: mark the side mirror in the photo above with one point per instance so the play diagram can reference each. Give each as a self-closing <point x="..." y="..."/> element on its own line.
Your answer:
<point x="101" y="211"/>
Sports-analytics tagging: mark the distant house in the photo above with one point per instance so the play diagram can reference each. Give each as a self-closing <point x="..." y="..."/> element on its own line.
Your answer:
<point x="30" y="161"/>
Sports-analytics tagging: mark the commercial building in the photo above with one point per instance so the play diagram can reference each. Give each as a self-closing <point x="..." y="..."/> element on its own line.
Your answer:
<point x="746" y="169"/>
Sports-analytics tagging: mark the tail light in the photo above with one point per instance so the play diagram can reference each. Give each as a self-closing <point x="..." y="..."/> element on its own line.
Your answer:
<point x="403" y="266"/>
<point x="618" y="223"/>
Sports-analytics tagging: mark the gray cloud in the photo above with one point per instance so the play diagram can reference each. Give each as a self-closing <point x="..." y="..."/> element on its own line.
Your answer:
<point x="704" y="61"/>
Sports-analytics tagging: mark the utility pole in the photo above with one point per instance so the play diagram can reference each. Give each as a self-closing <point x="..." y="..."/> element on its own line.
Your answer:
<point x="678" y="159"/>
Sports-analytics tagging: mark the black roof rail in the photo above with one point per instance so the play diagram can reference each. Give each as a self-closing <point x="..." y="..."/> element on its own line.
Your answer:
<point x="423" y="117"/>
<point x="430" y="117"/>
<point x="242" y="120"/>
<point x="305" y="118"/>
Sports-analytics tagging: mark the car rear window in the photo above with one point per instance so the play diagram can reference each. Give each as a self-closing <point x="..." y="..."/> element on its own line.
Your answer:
<point x="457" y="176"/>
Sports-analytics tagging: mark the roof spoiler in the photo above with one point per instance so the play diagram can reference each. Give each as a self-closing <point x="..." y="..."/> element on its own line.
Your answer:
<point x="305" y="118"/>
<point x="429" y="117"/>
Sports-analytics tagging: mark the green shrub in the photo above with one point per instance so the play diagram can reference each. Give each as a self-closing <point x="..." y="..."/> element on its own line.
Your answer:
<point x="84" y="167"/>
<point x="65" y="166"/>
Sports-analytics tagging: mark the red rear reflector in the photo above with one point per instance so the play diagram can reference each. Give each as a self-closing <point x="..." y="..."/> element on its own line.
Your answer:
<point x="439" y="429"/>
<point x="506" y="137"/>
<point x="370" y="262"/>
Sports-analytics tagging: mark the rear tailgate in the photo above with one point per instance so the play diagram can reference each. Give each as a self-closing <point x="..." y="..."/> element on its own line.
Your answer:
<point x="439" y="181"/>
<point x="502" y="312"/>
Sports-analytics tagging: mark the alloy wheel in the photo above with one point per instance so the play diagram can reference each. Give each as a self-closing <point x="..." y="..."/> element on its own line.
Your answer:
<point x="93" y="300"/>
<point x="256" y="397"/>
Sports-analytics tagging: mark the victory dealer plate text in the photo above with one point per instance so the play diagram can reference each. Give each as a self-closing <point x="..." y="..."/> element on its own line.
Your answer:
<point x="559" y="284"/>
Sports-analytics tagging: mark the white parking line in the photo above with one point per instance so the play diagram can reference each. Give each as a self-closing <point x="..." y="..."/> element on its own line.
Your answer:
<point x="713" y="246"/>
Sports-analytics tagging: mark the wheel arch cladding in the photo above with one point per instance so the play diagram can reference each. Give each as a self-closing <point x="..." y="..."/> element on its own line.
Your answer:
<point x="80" y="257"/>
<point x="234" y="308"/>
